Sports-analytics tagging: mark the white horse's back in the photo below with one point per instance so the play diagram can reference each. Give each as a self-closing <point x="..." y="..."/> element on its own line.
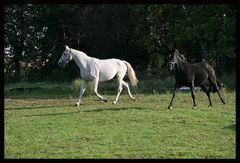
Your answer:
<point x="109" y="68"/>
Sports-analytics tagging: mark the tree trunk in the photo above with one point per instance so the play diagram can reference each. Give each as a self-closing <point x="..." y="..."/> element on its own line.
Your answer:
<point x="205" y="55"/>
<point x="17" y="70"/>
<point x="18" y="47"/>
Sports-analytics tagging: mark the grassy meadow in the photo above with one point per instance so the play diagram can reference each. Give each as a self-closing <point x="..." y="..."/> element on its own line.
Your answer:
<point x="44" y="123"/>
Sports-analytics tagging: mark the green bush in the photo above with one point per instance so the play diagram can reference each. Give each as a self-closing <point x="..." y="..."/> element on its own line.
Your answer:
<point x="77" y="84"/>
<point x="228" y="80"/>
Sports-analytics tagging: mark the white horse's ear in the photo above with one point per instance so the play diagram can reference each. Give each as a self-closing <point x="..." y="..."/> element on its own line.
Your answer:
<point x="66" y="47"/>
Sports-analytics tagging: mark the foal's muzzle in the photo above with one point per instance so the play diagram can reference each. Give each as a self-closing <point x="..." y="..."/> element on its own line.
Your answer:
<point x="170" y="66"/>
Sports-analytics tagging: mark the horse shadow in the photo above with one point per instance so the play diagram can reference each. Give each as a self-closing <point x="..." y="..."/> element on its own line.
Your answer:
<point x="52" y="114"/>
<point x="231" y="127"/>
<point x="88" y="110"/>
<point x="35" y="107"/>
<point x="116" y="109"/>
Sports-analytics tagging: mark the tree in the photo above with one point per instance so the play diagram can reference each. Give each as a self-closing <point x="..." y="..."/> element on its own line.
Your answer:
<point x="35" y="35"/>
<point x="202" y="32"/>
<point x="21" y="35"/>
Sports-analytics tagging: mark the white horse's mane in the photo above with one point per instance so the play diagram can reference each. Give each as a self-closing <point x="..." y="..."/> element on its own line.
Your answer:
<point x="76" y="52"/>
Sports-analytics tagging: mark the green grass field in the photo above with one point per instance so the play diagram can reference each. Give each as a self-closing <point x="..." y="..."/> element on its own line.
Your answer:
<point x="40" y="125"/>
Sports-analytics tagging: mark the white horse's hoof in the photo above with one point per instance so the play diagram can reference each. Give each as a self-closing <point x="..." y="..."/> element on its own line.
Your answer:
<point x="77" y="104"/>
<point x="105" y="100"/>
<point x="133" y="98"/>
<point x="114" y="102"/>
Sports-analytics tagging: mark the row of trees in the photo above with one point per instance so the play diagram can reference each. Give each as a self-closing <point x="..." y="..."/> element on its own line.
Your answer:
<point x="35" y="36"/>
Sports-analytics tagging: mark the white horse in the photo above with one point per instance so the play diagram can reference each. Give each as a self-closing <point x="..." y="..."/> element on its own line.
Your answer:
<point x="97" y="70"/>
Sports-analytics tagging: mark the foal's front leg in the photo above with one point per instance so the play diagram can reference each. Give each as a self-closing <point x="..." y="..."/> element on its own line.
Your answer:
<point x="174" y="93"/>
<point x="82" y="90"/>
<point x="192" y="93"/>
<point x="193" y="97"/>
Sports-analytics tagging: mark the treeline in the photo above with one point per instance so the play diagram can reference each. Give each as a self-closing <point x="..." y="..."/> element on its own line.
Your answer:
<point x="35" y="35"/>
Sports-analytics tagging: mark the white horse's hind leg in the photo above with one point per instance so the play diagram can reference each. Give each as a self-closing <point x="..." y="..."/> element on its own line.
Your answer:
<point x="82" y="90"/>
<point x="120" y="88"/>
<point x="125" y="84"/>
<point x="95" y="87"/>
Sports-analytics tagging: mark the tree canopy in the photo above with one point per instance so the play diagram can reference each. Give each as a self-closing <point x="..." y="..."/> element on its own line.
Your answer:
<point x="35" y="35"/>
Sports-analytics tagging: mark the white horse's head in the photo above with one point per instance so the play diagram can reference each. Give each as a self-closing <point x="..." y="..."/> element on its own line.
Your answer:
<point x="66" y="57"/>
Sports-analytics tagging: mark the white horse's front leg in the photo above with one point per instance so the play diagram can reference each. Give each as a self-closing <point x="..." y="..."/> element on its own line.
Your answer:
<point x="95" y="87"/>
<point x="82" y="90"/>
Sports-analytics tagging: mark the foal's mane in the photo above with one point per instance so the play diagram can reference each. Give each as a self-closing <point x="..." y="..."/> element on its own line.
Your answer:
<point x="180" y="55"/>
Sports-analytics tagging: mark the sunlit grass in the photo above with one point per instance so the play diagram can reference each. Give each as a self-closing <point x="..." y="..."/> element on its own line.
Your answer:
<point x="55" y="128"/>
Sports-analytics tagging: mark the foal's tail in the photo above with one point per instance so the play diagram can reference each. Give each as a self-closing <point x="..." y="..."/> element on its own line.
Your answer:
<point x="131" y="74"/>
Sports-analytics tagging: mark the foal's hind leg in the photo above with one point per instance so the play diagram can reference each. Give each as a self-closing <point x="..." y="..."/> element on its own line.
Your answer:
<point x="95" y="86"/>
<point x="213" y="81"/>
<point x="192" y="93"/>
<point x="220" y="96"/>
<point x="207" y="93"/>
<point x="125" y="84"/>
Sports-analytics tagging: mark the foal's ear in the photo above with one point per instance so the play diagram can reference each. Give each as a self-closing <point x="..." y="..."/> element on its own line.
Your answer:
<point x="169" y="47"/>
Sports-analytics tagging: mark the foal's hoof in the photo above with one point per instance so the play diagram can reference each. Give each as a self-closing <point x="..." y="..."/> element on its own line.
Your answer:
<point x="194" y="107"/>
<point x="170" y="107"/>
<point x="210" y="106"/>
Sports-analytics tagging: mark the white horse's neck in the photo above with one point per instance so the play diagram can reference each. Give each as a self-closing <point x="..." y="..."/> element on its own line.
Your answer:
<point x="80" y="58"/>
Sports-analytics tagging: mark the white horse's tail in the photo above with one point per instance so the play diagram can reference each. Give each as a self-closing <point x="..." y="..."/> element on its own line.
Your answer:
<point x="131" y="74"/>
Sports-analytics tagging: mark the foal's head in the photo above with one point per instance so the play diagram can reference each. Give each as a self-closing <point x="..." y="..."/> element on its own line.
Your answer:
<point x="172" y="58"/>
<point x="66" y="57"/>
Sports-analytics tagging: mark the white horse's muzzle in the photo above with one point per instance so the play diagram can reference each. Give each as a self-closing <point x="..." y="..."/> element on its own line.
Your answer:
<point x="61" y="64"/>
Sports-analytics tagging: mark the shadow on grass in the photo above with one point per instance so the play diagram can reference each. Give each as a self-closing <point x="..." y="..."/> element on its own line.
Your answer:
<point x="52" y="114"/>
<point x="91" y="110"/>
<point x="37" y="107"/>
<point x="231" y="127"/>
<point x="116" y="109"/>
